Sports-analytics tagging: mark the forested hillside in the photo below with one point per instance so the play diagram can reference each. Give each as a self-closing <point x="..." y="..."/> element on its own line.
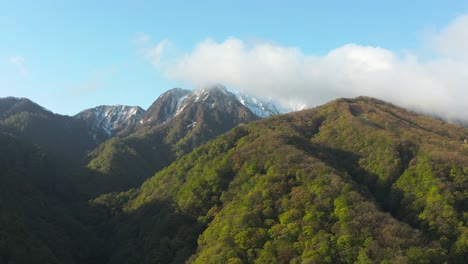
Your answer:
<point x="353" y="181"/>
<point x="126" y="162"/>
<point x="58" y="135"/>
<point x="40" y="209"/>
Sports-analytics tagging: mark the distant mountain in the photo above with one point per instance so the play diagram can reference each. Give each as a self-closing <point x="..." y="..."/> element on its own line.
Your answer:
<point x="178" y="121"/>
<point x="352" y="181"/>
<point x="175" y="101"/>
<point x="204" y="114"/>
<point x="174" y="125"/>
<point x="225" y="98"/>
<point x="106" y="121"/>
<point x="164" y="108"/>
<point x="260" y="108"/>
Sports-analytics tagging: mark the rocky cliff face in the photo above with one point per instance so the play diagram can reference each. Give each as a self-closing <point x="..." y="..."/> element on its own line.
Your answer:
<point x="106" y="121"/>
<point x="177" y="101"/>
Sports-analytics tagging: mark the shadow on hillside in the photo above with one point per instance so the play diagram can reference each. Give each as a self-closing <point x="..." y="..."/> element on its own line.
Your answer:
<point x="348" y="162"/>
<point x="341" y="160"/>
<point x="154" y="233"/>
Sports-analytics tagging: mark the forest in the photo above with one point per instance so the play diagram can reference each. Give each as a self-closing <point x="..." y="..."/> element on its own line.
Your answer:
<point x="352" y="181"/>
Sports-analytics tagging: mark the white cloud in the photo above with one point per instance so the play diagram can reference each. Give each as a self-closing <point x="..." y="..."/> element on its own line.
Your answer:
<point x="292" y="77"/>
<point x="152" y="53"/>
<point x="19" y="62"/>
<point x="453" y="40"/>
<point x="155" y="53"/>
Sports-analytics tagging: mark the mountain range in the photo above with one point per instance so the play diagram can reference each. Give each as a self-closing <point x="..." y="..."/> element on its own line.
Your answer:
<point x="108" y="121"/>
<point x="91" y="127"/>
<point x="215" y="176"/>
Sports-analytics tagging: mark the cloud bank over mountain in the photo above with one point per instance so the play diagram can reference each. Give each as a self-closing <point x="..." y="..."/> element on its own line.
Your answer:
<point x="437" y="85"/>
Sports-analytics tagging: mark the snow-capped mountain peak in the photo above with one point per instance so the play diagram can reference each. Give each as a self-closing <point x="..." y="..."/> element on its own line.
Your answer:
<point x="218" y="94"/>
<point x="166" y="106"/>
<point x="177" y="102"/>
<point x="110" y="119"/>
<point x="211" y="96"/>
<point x="202" y="94"/>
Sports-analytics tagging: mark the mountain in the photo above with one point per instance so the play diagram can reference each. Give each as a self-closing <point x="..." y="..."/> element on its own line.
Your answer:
<point x="259" y="108"/>
<point x="57" y="134"/>
<point x="13" y="105"/>
<point x="164" y="108"/>
<point x="353" y="181"/>
<point x="173" y="102"/>
<point x="176" y="122"/>
<point x="174" y="125"/>
<point x="106" y="121"/>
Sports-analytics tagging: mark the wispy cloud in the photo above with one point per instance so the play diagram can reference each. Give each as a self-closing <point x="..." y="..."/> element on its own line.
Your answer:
<point x="19" y="61"/>
<point x="291" y="76"/>
<point x="152" y="53"/>
<point x="155" y="53"/>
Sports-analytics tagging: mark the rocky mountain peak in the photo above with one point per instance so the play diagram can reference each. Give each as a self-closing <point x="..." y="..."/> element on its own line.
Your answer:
<point x="210" y="96"/>
<point x="165" y="107"/>
<point x="177" y="101"/>
<point x="106" y="120"/>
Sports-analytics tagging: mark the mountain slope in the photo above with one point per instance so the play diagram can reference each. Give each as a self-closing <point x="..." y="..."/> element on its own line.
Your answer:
<point x="57" y="134"/>
<point x="351" y="181"/>
<point x="39" y="216"/>
<point x="12" y="105"/>
<point x="258" y="107"/>
<point x="173" y="102"/>
<point x="178" y="121"/>
<point x="201" y="116"/>
<point x="106" y="121"/>
<point x="164" y="108"/>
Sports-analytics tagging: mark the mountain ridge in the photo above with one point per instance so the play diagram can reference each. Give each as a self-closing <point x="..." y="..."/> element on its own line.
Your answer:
<point x="339" y="183"/>
<point x="201" y="116"/>
<point x="13" y="105"/>
<point x="55" y="133"/>
<point x="173" y="102"/>
<point x="351" y="181"/>
<point x="63" y="135"/>
<point x="106" y="121"/>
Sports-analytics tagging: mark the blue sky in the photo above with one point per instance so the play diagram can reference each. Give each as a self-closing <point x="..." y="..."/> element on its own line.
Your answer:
<point x="72" y="55"/>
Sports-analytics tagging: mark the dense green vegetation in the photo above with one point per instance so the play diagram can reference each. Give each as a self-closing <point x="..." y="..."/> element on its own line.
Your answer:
<point x="40" y="218"/>
<point x="54" y="133"/>
<point x="352" y="181"/>
<point x="126" y="163"/>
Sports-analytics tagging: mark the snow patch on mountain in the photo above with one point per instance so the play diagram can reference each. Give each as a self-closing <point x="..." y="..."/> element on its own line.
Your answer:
<point x="110" y="118"/>
<point x="293" y="107"/>
<point x="259" y="107"/>
<point x="202" y="94"/>
<point x="176" y="101"/>
<point x="208" y="95"/>
<point x="166" y="106"/>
